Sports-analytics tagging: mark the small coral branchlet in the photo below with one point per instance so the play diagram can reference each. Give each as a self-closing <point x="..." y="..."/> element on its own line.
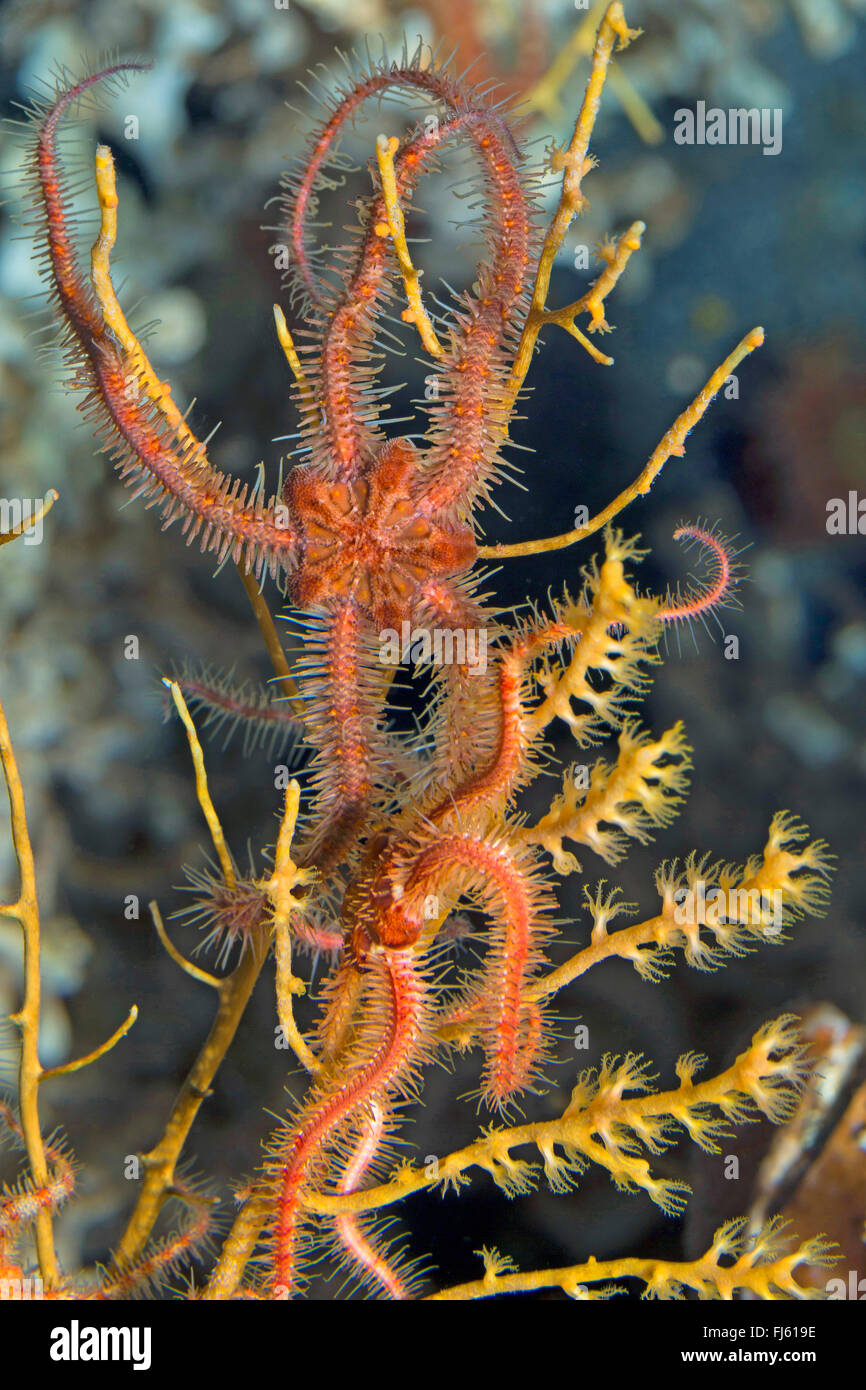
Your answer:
<point x="402" y="833"/>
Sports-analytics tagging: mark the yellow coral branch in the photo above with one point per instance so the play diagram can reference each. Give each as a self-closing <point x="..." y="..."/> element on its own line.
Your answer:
<point x="671" y="443"/>
<point x="100" y="276"/>
<point x="280" y="887"/>
<point x="602" y="1125"/>
<point x="761" y="1268"/>
<point x="544" y="95"/>
<point x="618" y="633"/>
<point x="234" y="993"/>
<point x="272" y="642"/>
<point x="396" y="227"/>
<point x="290" y="352"/>
<point x="643" y="789"/>
<point x="574" y="161"/>
<point x="204" y="977"/>
<point x="160" y="391"/>
<point x="28" y="523"/>
<point x="25" y="910"/>
<point x="735" y="907"/>
<point x="160" y="1163"/>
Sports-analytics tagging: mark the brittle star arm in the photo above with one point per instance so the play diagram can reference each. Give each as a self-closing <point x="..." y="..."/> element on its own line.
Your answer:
<point x="337" y="413"/>
<point x="381" y="1066"/>
<point x="135" y="414"/>
<point x="343" y="725"/>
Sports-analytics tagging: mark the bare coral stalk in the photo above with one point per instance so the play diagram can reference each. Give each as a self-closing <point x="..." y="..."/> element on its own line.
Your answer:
<point x="50" y="1179"/>
<point x="281" y="888"/>
<point x="574" y="162"/>
<point x="25" y="910"/>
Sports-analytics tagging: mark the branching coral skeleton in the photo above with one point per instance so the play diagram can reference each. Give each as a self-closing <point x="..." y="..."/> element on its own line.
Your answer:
<point x="397" y="832"/>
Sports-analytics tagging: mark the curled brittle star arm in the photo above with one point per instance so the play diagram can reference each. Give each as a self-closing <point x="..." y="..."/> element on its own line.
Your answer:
<point x="672" y="443"/>
<point x="159" y="392"/>
<point x="626" y="943"/>
<point x="134" y="413"/>
<point x="278" y="1197"/>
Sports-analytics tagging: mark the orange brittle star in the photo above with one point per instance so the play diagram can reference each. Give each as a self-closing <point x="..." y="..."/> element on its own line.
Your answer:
<point x="370" y="532"/>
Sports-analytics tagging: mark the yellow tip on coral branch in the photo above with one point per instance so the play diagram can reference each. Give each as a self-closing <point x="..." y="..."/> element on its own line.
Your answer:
<point x="204" y="977"/>
<point x="97" y="1052"/>
<point x="100" y="277"/>
<point x="27" y="523"/>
